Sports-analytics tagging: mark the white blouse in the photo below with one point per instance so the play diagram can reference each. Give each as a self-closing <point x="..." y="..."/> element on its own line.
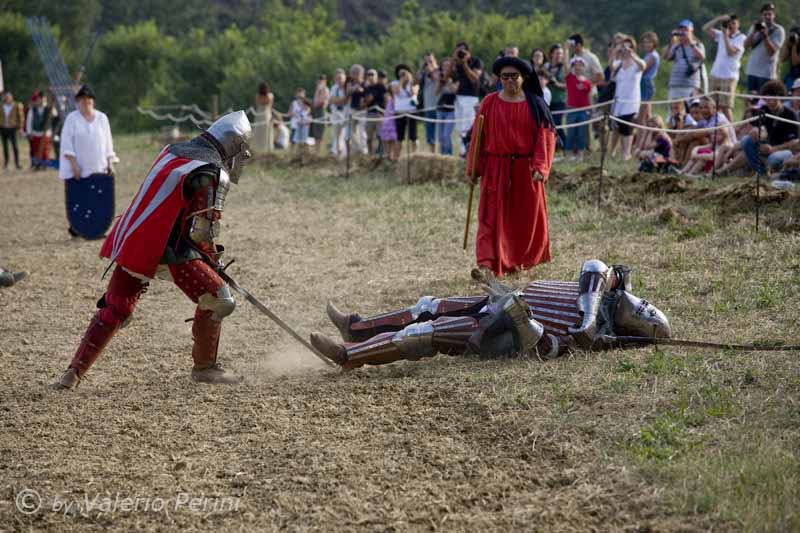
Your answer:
<point x="88" y="142"/>
<point x="628" y="89"/>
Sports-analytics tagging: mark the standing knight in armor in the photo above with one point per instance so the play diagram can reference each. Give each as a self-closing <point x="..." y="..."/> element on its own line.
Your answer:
<point x="169" y="232"/>
<point x="546" y="319"/>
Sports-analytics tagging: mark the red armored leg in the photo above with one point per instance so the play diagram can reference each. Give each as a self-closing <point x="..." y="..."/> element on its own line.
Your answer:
<point x="448" y="335"/>
<point x="354" y="328"/>
<point x="117" y="305"/>
<point x="205" y="333"/>
<point x="214" y="302"/>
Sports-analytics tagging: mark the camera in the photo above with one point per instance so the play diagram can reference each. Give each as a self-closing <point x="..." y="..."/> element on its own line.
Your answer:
<point x="678" y="33"/>
<point x="759" y="26"/>
<point x="794" y="34"/>
<point x="571" y="42"/>
<point x="461" y="54"/>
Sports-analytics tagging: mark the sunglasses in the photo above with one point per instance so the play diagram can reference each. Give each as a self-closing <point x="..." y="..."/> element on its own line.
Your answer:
<point x="509" y="76"/>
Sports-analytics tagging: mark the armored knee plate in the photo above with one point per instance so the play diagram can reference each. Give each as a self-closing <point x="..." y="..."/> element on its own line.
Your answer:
<point x="415" y="341"/>
<point x="221" y="304"/>
<point x="426" y="304"/>
<point x="528" y="331"/>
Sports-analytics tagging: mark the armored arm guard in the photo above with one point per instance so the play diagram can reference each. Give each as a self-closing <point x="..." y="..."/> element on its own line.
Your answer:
<point x="593" y="282"/>
<point x="207" y="210"/>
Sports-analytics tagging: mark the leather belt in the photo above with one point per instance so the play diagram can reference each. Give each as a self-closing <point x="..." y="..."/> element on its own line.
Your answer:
<point x="513" y="159"/>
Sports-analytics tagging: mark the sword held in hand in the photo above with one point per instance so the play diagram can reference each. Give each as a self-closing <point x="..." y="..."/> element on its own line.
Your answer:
<point x="272" y="316"/>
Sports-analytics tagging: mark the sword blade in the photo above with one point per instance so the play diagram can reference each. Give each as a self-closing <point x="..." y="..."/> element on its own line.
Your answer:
<point x="777" y="347"/>
<point x="272" y="316"/>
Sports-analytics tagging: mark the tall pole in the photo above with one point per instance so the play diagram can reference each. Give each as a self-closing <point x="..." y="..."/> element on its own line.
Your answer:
<point x="758" y="171"/>
<point x="347" y="146"/>
<point x="603" y="149"/>
<point x="214" y="106"/>
<point x="714" y="140"/>
<point x="408" y="150"/>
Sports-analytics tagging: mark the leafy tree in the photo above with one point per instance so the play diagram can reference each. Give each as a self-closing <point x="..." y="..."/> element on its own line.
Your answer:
<point x="22" y="70"/>
<point x="131" y="63"/>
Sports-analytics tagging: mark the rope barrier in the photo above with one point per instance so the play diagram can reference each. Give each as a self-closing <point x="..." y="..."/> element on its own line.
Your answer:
<point x="362" y="117"/>
<point x="759" y="97"/>
<point x="687" y="130"/>
<point x="577" y="109"/>
<point x="579" y="124"/>
<point x="781" y="119"/>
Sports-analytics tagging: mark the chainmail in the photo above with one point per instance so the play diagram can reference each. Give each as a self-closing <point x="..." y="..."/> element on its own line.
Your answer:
<point x="198" y="149"/>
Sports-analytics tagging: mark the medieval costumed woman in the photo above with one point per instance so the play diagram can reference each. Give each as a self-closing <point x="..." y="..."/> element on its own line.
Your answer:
<point x="514" y="159"/>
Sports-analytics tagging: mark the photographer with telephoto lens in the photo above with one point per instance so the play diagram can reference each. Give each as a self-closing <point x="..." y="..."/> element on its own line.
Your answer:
<point x="764" y="40"/>
<point x="687" y="55"/>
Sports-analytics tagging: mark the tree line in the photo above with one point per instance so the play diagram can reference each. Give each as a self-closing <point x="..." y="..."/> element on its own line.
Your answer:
<point x="150" y="52"/>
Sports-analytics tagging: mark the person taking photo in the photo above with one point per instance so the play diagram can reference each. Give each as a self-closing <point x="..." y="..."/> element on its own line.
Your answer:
<point x="730" y="48"/>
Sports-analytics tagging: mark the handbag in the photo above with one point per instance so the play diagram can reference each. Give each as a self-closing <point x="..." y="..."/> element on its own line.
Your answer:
<point x="606" y="94"/>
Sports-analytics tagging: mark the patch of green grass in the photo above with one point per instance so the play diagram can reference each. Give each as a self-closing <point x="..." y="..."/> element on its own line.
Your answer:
<point x="623" y="365"/>
<point x="663" y="438"/>
<point x="662" y="363"/>
<point x="564" y="396"/>
<point x="769" y="293"/>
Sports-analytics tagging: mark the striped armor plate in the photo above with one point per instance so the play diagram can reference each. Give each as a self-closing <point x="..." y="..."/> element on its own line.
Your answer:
<point x="554" y="304"/>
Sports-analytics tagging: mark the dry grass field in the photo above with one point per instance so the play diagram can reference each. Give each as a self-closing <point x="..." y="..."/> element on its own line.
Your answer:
<point x="653" y="439"/>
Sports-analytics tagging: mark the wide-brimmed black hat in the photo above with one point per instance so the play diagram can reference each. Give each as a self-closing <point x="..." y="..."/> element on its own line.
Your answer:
<point x="520" y="64"/>
<point x="86" y="91"/>
<point x="400" y="67"/>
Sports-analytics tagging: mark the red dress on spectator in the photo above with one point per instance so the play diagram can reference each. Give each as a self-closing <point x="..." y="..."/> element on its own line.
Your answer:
<point x="512" y="214"/>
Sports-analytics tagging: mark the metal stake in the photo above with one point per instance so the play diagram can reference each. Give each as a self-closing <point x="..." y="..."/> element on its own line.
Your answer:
<point x="603" y="149"/>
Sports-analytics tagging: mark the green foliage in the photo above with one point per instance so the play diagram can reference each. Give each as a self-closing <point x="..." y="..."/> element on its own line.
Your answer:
<point x="285" y="46"/>
<point x="131" y="63"/>
<point x="189" y="50"/>
<point x="22" y="69"/>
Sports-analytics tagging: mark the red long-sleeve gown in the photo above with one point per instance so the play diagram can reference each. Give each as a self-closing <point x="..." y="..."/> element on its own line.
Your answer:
<point x="512" y="214"/>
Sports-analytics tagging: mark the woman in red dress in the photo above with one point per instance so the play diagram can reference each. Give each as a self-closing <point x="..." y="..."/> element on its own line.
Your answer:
<point x="514" y="160"/>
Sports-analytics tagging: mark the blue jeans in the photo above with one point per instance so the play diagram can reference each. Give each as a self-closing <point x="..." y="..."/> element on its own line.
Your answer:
<point x="788" y="80"/>
<point x="750" y="149"/>
<point x="446" y="131"/>
<point x="558" y="120"/>
<point x="775" y="160"/>
<point x="755" y="83"/>
<point x="430" y="128"/>
<point x="577" y="138"/>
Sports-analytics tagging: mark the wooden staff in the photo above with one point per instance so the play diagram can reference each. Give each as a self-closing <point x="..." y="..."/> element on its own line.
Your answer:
<point x="476" y="148"/>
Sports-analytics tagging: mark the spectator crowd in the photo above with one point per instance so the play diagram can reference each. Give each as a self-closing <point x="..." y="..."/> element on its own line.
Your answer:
<point x="365" y="110"/>
<point x="370" y="111"/>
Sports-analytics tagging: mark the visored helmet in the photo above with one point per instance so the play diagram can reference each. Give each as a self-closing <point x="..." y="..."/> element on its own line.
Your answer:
<point x="231" y="135"/>
<point x="638" y="317"/>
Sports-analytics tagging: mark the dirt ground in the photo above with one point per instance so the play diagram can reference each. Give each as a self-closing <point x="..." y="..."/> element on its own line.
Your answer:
<point x="664" y="439"/>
